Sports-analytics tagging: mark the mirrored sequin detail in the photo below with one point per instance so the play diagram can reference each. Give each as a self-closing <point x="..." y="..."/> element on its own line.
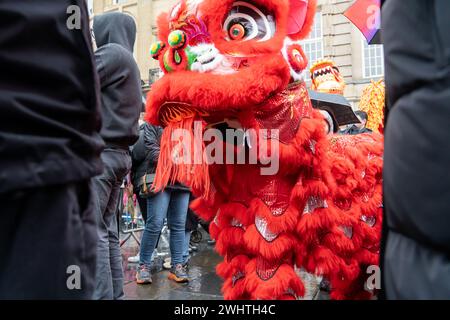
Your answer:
<point x="216" y="218"/>
<point x="371" y="221"/>
<point x="261" y="225"/>
<point x="266" y="270"/>
<point x="348" y="231"/>
<point x="236" y="223"/>
<point x="236" y="277"/>
<point x="291" y="292"/>
<point x="365" y="198"/>
<point x="343" y="204"/>
<point x="312" y="146"/>
<point x="313" y="203"/>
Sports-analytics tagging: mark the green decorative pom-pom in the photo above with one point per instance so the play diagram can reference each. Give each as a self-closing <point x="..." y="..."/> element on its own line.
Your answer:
<point x="156" y="49"/>
<point x="177" y="39"/>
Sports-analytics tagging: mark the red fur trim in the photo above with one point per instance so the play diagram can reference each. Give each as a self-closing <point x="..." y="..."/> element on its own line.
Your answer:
<point x="218" y="93"/>
<point x="184" y="169"/>
<point x="277" y="224"/>
<point x="235" y="211"/>
<point x="214" y="231"/>
<point x="344" y="289"/>
<point x="202" y="209"/>
<point x="367" y="258"/>
<point x="230" y="240"/>
<point x="320" y="261"/>
<point x="163" y="27"/>
<point x="284" y="280"/>
<point x="338" y="241"/>
<point x="226" y="269"/>
<point x="233" y="273"/>
<point x="269" y="250"/>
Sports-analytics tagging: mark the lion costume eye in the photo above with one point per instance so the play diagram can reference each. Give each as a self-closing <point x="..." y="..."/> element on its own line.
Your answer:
<point x="245" y="21"/>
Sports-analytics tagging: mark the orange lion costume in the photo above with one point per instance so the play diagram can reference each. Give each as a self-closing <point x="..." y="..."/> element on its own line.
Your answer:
<point x="319" y="216"/>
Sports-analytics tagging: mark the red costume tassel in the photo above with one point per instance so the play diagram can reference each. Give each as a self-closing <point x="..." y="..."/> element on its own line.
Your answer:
<point x="182" y="158"/>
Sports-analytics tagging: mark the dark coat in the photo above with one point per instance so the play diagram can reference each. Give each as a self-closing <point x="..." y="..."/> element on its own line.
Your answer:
<point x="416" y="255"/>
<point x="354" y="130"/>
<point x="148" y="148"/>
<point x="49" y="96"/>
<point x="120" y="81"/>
<point x="145" y="152"/>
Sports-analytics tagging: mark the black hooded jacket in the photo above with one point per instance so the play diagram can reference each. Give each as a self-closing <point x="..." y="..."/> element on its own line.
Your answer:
<point x="416" y="40"/>
<point x="49" y="102"/>
<point x="115" y="34"/>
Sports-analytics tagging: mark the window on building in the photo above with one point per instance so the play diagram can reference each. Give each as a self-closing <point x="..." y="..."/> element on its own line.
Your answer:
<point x="313" y="45"/>
<point x="373" y="60"/>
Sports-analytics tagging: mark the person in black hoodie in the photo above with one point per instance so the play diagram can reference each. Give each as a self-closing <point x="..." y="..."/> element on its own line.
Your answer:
<point x="121" y="102"/>
<point x="49" y="151"/>
<point x="415" y="257"/>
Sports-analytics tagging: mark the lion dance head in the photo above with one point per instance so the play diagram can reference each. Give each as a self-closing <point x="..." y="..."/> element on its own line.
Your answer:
<point x="239" y="64"/>
<point x="326" y="78"/>
<point x="222" y="58"/>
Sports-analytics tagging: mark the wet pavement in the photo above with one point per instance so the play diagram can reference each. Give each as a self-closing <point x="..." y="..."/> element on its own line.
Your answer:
<point x="204" y="284"/>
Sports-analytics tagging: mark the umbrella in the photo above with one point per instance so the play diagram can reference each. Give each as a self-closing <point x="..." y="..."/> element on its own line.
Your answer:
<point x="336" y="105"/>
<point x="365" y="15"/>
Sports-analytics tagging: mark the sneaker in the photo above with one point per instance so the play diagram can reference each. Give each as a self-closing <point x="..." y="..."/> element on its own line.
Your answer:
<point x="178" y="274"/>
<point x="143" y="275"/>
<point x="134" y="259"/>
<point x="192" y="248"/>
<point x="211" y="242"/>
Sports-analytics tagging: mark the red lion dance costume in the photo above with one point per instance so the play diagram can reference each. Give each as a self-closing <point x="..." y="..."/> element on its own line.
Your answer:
<point x="319" y="216"/>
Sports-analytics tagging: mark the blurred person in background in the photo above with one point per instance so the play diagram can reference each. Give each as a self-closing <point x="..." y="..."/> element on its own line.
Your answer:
<point x="415" y="256"/>
<point x="358" y="128"/>
<point x="173" y="203"/>
<point x="140" y="157"/>
<point x="141" y="166"/>
<point x="121" y="104"/>
<point x="50" y="149"/>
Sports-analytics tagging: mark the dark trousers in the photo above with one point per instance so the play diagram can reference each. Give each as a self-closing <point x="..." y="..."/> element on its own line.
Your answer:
<point x="109" y="280"/>
<point x="48" y="242"/>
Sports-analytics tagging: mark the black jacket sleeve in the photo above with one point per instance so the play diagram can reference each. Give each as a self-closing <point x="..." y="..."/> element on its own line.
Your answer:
<point x="121" y="95"/>
<point x="139" y="151"/>
<point x="152" y="140"/>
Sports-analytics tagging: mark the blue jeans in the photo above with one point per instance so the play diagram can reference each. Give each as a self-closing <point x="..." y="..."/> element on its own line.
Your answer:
<point x="187" y="240"/>
<point x="172" y="204"/>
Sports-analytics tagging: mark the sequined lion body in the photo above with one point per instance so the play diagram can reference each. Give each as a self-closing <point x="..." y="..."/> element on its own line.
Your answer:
<point x="317" y="219"/>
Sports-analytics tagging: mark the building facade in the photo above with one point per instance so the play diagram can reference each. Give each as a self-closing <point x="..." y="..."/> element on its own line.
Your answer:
<point x="336" y="38"/>
<point x="333" y="37"/>
<point x="145" y="13"/>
